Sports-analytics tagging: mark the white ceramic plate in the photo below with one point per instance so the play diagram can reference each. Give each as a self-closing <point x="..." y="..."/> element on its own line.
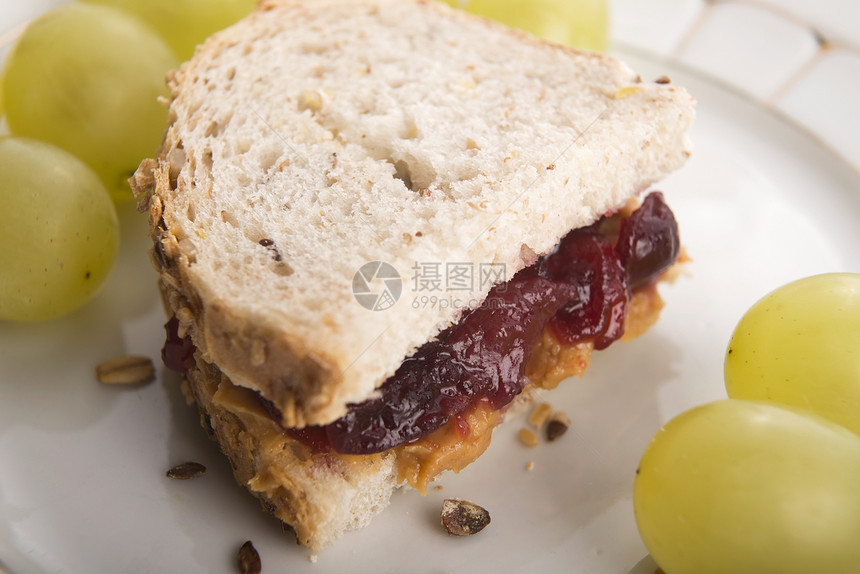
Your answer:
<point x="82" y="485"/>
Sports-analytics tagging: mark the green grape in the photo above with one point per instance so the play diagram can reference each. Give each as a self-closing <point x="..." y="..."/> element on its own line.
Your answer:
<point x="184" y="23"/>
<point x="58" y="228"/>
<point x="800" y="345"/>
<point x="87" y="79"/>
<point x="748" y="487"/>
<point x="580" y="23"/>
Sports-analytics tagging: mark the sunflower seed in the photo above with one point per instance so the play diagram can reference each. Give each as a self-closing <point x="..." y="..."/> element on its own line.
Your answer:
<point x="463" y="518"/>
<point x="249" y="559"/>
<point x="556" y="426"/>
<point x="130" y="370"/>
<point x="186" y="470"/>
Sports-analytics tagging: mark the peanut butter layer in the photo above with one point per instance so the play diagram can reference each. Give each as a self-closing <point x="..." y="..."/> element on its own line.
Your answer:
<point x="452" y="447"/>
<point x="463" y="439"/>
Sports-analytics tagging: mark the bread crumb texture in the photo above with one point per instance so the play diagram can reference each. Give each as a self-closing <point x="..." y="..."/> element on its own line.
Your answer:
<point x="312" y="138"/>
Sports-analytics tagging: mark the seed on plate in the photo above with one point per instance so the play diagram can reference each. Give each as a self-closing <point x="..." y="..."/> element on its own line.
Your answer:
<point x="249" y="559"/>
<point x="186" y="470"/>
<point x="528" y="437"/>
<point x="556" y="426"/>
<point x="463" y="518"/>
<point x="539" y="415"/>
<point x="130" y="370"/>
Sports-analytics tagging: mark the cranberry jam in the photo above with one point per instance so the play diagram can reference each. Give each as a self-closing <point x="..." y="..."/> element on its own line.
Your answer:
<point x="482" y="357"/>
<point x="178" y="352"/>
<point x="580" y="290"/>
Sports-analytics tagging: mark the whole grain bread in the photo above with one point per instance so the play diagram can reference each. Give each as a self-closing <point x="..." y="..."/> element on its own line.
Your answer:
<point x="314" y="137"/>
<point x="320" y="496"/>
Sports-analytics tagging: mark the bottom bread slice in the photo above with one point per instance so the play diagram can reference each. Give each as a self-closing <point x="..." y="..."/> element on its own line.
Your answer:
<point x="319" y="495"/>
<point x="323" y="495"/>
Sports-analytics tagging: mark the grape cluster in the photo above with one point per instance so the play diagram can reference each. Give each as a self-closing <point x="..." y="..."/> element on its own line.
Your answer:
<point x="80" y="92"/>
<point x="767" y="480"/>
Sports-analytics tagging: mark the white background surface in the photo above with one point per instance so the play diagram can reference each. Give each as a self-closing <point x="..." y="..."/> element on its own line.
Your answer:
<point x="771" y="194"/>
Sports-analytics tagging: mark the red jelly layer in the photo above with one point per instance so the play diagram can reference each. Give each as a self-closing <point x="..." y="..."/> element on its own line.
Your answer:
<point x="482" y="357"/>
<point x="178" y="352"/>
<point x="580" y="290"/>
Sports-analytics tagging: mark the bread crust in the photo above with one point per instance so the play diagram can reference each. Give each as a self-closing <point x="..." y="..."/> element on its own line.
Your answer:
<point x="320" y="496"/>
<point x="289" y="370"/>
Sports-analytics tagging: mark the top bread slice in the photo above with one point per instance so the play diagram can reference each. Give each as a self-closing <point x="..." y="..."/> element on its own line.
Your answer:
<point x="314" y="137"/>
